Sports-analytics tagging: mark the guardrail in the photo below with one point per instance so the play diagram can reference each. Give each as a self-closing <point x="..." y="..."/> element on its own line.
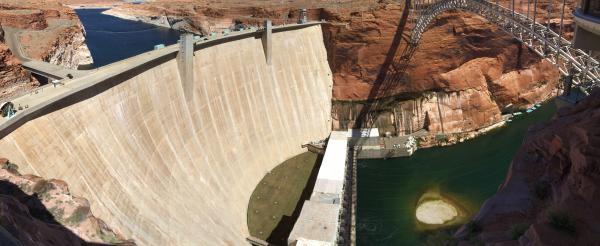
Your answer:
<point x="571" y="62"/>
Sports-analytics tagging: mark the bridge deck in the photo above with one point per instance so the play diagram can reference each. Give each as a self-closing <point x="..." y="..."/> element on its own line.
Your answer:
<point x="52" y="71"/>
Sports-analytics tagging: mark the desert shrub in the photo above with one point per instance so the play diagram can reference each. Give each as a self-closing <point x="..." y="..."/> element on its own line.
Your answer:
<point x="517" y="230"/>
<point x="11" y="167"/>
<point x="78" y="215"/>
<point x="41" y="186"/>
<point x="542" y="190"/>
<point x="561" y="221"/>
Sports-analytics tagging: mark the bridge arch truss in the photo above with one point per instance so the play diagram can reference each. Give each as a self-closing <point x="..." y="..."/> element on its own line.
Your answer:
<point x="576" y="64"/>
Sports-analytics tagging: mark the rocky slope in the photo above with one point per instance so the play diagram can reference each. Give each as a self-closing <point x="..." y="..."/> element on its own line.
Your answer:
<point x="38" y="30"/>
<point x="551" y="194"/>
<point x="464" y="74"/>
<point x="13" y="78"/>
<point x="46" y="31"/>
<point x="36" y="211"/>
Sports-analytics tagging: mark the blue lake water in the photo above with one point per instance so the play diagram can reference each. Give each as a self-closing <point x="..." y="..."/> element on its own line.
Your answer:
<point x="469" y="173"/>
<point x="112" y="39"/>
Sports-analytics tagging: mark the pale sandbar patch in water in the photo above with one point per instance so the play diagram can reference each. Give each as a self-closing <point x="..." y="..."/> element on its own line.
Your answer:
<point x="436" y="212"/>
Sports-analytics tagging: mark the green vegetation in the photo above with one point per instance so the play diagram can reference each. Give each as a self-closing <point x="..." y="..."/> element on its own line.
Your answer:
<point x="517" y="230"/>
<point x="276" y="201"/>
<point x="561" y="221"/>
<point x="78" y="215"/>
<point x="108" y="237"/>
<point x="441" y="137"/>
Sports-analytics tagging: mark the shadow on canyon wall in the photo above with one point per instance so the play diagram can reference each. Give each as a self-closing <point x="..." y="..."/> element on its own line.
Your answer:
<point x="391" y="73"/>
<point x="280" y="234"/>
<point x="26" y="221"/>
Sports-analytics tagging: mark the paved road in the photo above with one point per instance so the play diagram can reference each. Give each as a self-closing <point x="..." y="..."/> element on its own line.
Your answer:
<point x="39" y="67"/>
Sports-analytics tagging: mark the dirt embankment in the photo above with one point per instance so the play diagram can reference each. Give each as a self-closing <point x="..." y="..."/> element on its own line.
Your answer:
<point x="464" y="74"/>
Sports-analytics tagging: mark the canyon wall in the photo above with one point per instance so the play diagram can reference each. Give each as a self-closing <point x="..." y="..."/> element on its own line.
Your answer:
<point x="472" y="68"/>
<point x="13" y="78"/>
<point x="37" y="211"/>
<point x="550" y="195"/>
<point x="164" y="170"/>
<point x="45" y="31"/>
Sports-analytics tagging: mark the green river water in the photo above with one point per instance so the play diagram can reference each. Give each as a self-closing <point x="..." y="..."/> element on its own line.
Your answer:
<point x="469" y="173"/>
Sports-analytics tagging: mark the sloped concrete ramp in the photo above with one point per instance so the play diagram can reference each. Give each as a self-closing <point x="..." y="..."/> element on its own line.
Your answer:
<point x="164" y="170"/>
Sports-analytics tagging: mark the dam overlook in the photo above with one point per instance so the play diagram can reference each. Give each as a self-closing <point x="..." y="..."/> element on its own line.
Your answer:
<point x="443" y="122"/>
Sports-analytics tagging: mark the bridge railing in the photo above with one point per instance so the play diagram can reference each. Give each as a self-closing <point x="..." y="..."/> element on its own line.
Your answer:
<point x="571" y="62"/>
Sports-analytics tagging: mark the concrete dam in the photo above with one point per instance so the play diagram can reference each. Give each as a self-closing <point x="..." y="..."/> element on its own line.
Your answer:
<point x="166" y="163"/>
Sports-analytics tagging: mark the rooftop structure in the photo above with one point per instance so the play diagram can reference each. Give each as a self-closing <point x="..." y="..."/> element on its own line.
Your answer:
<point x="319" y="222"/>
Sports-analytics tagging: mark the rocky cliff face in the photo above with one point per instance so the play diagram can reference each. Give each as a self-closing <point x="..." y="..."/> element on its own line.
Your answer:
<point x="464" y="74"/>
<point x="69" y="49"/>
<point x="13" y="78"/>
<point x="42" y="31"/>
<point x="37" y="211"/>
<point x="46" y="31"/>
<point x="551" y="194"/>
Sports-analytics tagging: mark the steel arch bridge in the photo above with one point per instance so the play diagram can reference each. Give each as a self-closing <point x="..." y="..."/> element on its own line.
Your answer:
<point x="579" y="67"/>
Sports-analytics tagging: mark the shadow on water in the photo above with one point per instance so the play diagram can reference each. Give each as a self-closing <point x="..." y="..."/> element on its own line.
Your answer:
<point x="41" y="224"/>
<point x="283" y="229"/>
<point x="468" y="173"/>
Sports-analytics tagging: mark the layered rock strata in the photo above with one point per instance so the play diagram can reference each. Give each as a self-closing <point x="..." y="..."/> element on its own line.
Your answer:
<point x="465" y="73"/>
<point x="550" y="195"/>
<point x="13" y="78"/>
<point x="37" y="211"/>
<point x="46" y="31"/>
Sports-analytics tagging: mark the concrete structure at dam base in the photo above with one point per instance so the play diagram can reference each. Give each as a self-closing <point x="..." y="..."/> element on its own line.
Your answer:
<point x="168" y="163"/>
<point x="321" y="220"/>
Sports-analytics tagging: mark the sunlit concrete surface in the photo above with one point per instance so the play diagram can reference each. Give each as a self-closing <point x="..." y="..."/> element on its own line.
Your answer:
<point x="164" y="170"/>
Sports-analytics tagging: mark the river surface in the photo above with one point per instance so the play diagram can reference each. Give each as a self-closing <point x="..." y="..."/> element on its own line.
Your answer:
<point x="469" y="173"/>
<point x="112" y="39"/>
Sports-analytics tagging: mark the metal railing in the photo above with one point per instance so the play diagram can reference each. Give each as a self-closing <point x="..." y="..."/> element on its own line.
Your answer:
<point x="553" y="47"/>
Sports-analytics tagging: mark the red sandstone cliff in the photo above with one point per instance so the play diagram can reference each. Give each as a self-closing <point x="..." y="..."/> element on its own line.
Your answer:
<point x="38" y="30"/>
<point x="551" y="195"/>
<point x="36" y="211"/>
<point x="464" y="73"/>
<point x="45" y="31"/>
<point x="13" y="78"/>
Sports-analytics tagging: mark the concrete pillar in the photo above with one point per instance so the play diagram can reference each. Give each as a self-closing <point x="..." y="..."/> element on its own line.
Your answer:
<point x="185" y="62"/>
<point x="267" y="41"/>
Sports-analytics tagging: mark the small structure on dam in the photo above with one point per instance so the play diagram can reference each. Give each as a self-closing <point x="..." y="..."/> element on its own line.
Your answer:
<point x="370" y="146"/>
<point x="320" y="219"/>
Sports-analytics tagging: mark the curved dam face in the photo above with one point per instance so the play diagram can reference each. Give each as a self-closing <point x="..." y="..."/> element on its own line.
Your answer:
<point x="164" y="170"/>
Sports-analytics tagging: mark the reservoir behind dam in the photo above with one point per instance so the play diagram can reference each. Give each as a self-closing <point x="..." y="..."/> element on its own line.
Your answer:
<point x="112" y="39"/>
<point x="469" y="173"/>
